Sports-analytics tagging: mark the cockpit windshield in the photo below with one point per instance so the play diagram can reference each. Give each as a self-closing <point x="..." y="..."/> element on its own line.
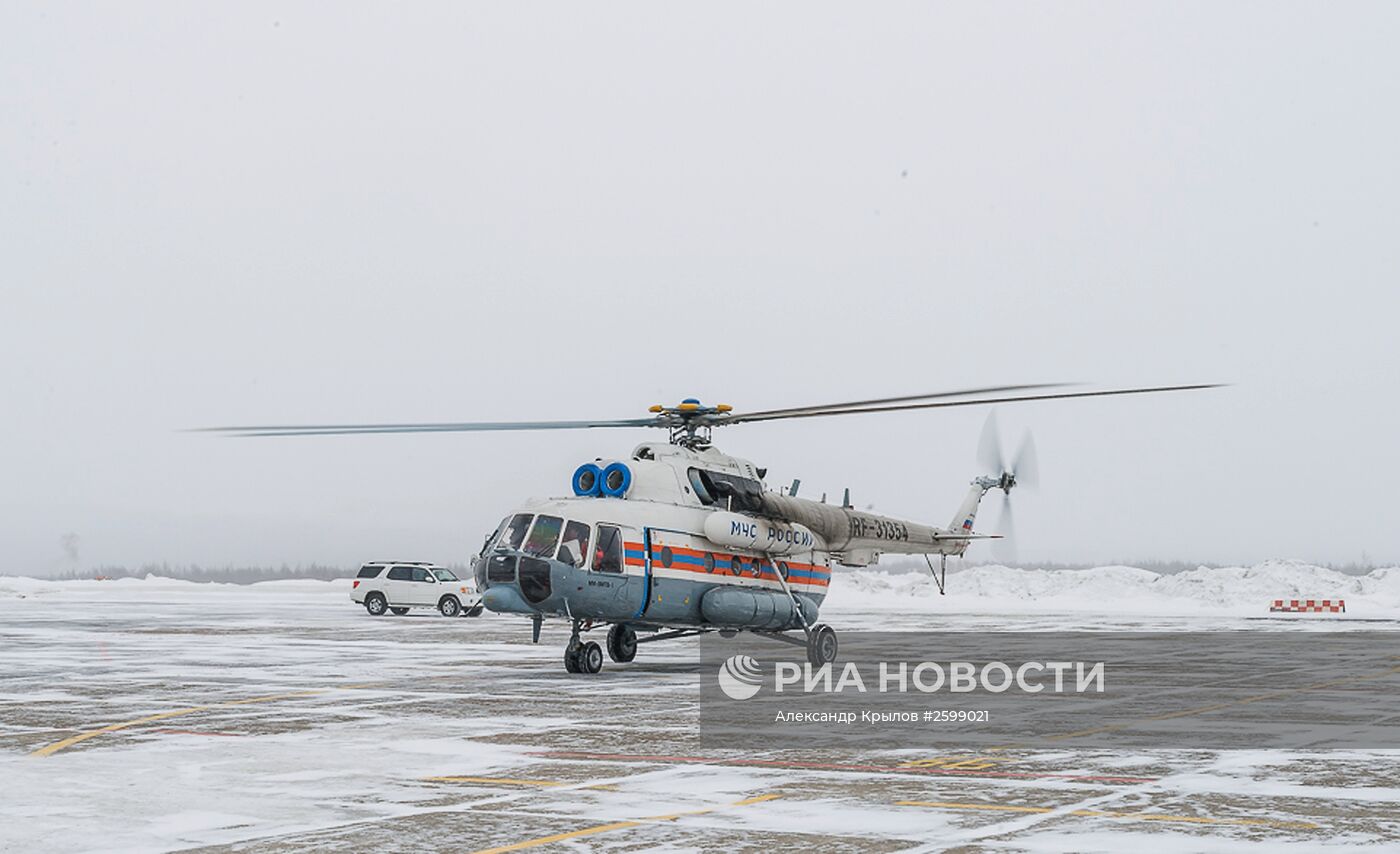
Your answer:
<point x="544" y="537"/>
<point x="444" y="575"/>
<point x="515" y="532"/>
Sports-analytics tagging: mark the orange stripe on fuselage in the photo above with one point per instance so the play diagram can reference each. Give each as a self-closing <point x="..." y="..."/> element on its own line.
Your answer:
<point x="700" y="553"/>
<point x="769" y="573"/>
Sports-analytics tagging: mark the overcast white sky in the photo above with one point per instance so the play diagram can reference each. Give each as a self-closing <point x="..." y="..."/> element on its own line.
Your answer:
<point x="251" y="213"/>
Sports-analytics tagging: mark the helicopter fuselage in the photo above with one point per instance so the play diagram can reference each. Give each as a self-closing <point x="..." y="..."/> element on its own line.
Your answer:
<point x="687" y="538"/>
<point x="668" y="575"/>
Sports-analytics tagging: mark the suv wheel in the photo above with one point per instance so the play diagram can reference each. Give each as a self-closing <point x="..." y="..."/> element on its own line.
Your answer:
<point x="449" y="606"/>
<point x="376" y="604"/>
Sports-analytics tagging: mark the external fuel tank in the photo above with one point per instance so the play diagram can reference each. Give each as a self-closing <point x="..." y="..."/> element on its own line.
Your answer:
<point x="754" y="609"/>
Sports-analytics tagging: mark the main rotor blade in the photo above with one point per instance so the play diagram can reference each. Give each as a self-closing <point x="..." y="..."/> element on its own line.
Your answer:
<point x="879" y="401"/>
<point x="978" y="402"/>
<point x="462" y="427"/>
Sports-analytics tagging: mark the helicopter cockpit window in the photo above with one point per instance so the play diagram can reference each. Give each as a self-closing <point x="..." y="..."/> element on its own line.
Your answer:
<point x="607" y="557"/>
<point x="544" y="537"/>
<point x="574" y="548"/>
<point x="515" y="533"/>
<point x="495" y="536"/>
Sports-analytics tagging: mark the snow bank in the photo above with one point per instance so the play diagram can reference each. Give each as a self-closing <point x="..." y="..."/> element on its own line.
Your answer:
<point x="1121" y="588"/>
<point x="990" y="588"/>
<point x="23" y="586"/>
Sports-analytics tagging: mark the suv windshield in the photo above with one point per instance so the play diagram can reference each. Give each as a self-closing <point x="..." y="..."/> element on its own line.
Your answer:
<point x="444" y="575"/>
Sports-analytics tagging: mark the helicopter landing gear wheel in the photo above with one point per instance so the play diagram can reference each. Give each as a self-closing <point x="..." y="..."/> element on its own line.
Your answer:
<point x="580" y="657"/>
<point x="572" y="651"/>
<point x="622" y="644"/>
<point x="583" y="658"/>
<point x="590" y="658"/>
<point x="821" y="645"/>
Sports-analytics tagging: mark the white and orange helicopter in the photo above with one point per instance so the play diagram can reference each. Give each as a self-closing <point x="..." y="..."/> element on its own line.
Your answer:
<point x="680" y="539"/>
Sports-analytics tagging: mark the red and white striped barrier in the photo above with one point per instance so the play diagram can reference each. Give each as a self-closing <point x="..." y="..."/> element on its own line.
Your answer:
<point x="1308" y="606"/>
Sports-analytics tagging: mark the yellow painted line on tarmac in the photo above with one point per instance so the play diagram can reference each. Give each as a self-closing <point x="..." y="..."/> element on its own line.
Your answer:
<point x="270" y="698"/>
<point x="1136" y="816"/>
<point x="617" y="825"/>
<point x="51" y="749"/>
<point x="948" y="805"/>
<point x="511" y="781"/>
<point x="561" y="837"/>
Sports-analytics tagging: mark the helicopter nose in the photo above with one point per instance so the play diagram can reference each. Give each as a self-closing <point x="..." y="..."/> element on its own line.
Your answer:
<point x="505" y="597"/>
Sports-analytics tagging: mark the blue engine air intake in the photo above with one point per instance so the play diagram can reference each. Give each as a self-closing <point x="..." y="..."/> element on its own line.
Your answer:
<point x="616" y="478"/>
<point x="588" y="478"/>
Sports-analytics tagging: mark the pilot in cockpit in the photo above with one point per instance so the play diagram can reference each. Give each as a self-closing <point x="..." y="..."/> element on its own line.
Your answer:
<point x="575" y="546"/>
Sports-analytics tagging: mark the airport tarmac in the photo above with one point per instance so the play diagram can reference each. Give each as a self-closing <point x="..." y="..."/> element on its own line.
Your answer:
<point x="162" y="716"/>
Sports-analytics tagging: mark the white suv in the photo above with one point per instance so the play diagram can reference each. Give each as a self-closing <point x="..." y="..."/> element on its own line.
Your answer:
<point x="389" y="585"/>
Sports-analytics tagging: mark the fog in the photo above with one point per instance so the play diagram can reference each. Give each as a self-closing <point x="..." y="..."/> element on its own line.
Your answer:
<point x="281" y="213"/>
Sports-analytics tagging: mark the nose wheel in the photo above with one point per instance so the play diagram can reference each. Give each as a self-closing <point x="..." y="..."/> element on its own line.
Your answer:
<point x="580" y="657"/>
<point x="583" y="658"/>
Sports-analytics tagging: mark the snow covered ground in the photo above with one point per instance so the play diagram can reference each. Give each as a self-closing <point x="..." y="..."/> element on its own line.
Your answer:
<point x="1241" y="591"/>
<point x="141" y="715"/>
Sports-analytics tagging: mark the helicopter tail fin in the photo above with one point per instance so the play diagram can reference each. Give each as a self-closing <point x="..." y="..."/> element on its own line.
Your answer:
<point x="967" y="511"/>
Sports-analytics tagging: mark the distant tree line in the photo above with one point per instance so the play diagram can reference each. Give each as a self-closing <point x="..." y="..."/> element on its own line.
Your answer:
<point x="221" y="574"/>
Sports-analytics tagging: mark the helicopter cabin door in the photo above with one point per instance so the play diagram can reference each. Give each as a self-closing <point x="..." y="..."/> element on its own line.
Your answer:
<point x="621" y="572"/>
<point x="675" y="600"/>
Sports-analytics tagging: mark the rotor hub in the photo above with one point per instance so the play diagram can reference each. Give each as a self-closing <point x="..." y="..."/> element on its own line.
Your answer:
<point x="689" y="423"/>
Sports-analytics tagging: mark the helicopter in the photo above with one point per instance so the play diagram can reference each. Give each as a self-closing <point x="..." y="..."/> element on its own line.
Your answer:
<point x="681" y="539"/>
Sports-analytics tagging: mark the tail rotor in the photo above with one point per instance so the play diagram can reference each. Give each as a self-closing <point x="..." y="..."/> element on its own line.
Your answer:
<point x="1022" y="470"/>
